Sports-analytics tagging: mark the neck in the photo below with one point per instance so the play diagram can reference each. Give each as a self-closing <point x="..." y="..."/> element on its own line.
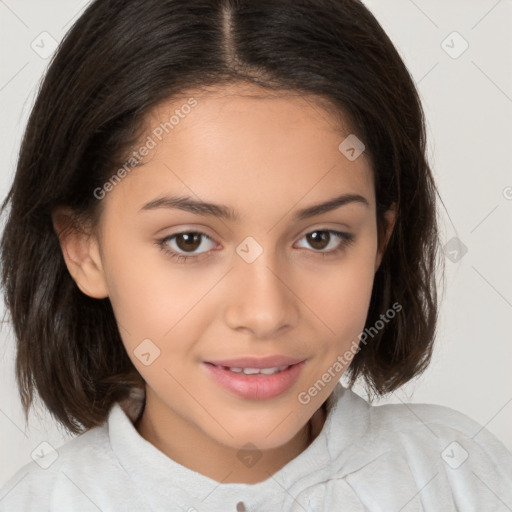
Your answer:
<point x="223" y="464"/>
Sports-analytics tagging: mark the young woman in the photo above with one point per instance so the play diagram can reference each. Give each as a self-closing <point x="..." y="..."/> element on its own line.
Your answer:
<point x="220" y="208"/>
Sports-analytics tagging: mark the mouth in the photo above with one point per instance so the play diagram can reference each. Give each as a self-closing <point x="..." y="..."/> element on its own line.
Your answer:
<point x="255" y="379"/>
<point x="254" y="371"/>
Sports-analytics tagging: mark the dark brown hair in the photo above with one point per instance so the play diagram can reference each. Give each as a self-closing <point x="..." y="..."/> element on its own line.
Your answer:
<point x="123" y="58"/>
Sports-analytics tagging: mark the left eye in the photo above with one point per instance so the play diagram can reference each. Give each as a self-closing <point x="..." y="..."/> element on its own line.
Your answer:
<point x="327" y="240"/>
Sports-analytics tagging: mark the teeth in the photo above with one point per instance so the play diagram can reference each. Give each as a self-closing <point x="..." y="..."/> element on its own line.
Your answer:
<point x="251" y="371"/>
<point x="270" y="371"/>
<point x="255" y="371"/>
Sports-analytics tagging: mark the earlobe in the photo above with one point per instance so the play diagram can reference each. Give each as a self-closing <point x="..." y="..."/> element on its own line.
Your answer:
<point x="390" y="217"/>
<point x="81" y="254"/>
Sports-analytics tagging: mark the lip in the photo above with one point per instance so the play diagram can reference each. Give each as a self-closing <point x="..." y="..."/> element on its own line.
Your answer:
<point x="255" y="387"/>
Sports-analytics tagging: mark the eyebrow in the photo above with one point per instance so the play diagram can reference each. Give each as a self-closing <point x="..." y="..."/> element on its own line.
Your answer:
<point x="188" y="204"/>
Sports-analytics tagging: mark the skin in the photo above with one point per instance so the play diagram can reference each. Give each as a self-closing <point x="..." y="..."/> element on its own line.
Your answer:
<point x="265" y="157"/>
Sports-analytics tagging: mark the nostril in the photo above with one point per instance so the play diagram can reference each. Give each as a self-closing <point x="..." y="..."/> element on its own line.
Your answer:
<point x="240" y="507"/>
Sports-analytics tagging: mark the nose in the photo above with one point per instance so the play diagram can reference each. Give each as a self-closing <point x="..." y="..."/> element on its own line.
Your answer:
<point x="261" y="298"/>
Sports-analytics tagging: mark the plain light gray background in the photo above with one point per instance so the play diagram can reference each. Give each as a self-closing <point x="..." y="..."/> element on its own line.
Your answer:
<point x="467" y="96"/>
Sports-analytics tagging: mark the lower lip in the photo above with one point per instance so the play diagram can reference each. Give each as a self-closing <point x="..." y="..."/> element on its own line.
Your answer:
<point x="255" y="387"/>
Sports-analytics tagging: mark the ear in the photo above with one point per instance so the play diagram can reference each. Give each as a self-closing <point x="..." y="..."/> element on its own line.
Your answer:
<point x="390" y="219"/>
<point x="81" y="253"/>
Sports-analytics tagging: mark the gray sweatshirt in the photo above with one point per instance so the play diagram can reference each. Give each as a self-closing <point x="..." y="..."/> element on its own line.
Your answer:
<point x="388" y="458"/>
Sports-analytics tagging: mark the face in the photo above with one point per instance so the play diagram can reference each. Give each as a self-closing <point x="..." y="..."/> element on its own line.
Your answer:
<point x="261" y="281"/>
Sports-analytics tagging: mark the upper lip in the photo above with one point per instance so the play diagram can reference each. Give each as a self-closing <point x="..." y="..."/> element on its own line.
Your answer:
<point x="257" y="362"/>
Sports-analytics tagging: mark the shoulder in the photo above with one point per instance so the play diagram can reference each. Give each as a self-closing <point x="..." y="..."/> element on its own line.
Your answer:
<point x="438" y="426"/>
<point x="56" y="473"/>
<point x="455" y="461"/>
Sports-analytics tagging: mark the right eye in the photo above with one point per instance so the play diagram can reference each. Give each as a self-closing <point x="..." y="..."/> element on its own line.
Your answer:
<point x="182" y="245"/>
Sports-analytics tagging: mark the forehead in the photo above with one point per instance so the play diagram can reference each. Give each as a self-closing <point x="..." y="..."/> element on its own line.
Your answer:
<point x="240" y="144"/>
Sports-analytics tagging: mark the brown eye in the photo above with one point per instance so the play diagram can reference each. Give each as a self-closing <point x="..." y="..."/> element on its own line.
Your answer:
<point x="327" y="241"/>
<point x="188" y="241"/>
<point x="319" y="239"/>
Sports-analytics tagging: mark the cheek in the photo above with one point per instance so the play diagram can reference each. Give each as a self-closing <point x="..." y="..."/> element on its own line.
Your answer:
<point x="149" y="298"/>
<point x="166" y="312"/>
<point x="342" y="298"/>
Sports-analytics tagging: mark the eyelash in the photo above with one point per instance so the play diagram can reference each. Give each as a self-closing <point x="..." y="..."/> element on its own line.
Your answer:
<point x="347" y="239"/>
